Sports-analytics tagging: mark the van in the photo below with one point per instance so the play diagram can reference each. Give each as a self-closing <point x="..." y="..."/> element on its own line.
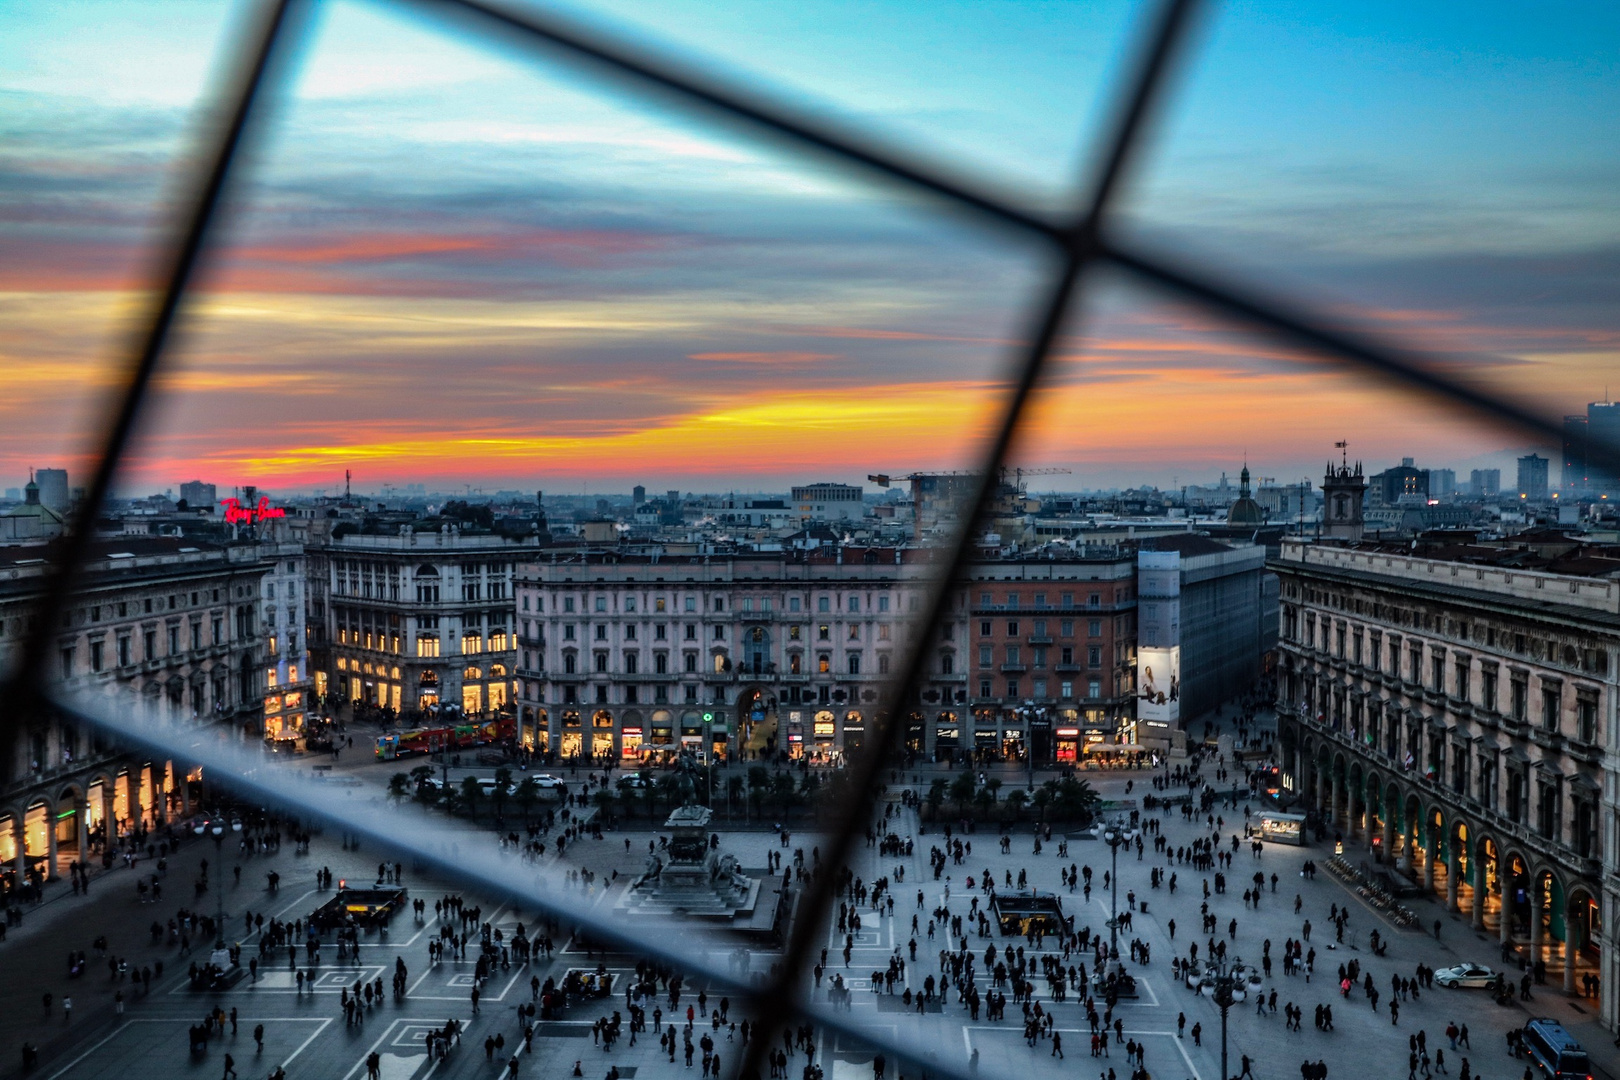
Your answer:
<point x="1555" y="1050"/>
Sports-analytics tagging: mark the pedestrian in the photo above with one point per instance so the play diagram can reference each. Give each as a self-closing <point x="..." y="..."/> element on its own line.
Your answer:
<point x="67" y="1010"/>
<point x="230" y="1068"/>
<point x="258" y="1037"/>
<point x="1198" y="1034"/>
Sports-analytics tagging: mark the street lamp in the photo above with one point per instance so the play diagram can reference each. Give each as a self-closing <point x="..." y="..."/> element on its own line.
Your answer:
<point x="219" y="887"/>
<point x="1225" y="991"/>
<point x="1114" y="836"/>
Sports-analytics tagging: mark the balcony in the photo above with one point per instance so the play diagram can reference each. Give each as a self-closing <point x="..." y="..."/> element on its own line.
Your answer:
<point x="1066" y="669"/>
<point x="1013" y="668"/>
<point x="1042" y="639"/>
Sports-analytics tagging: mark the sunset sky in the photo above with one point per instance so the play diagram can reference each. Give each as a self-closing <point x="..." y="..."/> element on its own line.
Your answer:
<point x="456" y="262"/>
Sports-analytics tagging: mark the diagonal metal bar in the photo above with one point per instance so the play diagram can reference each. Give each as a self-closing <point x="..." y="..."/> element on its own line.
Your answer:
<point x="258" y="53"/>
<point x="1356" y="352"/>
<point x="867" y="772"/>
<point x="751" y="107"/>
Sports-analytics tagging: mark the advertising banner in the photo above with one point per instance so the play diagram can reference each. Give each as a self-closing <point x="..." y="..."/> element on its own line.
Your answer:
<point x="1158" y="684"/>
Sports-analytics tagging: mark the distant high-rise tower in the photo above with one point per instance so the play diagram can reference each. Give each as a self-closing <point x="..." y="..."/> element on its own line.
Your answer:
<point x="638" y="495"/>
<point x="53" y="489"/>
<point x="1533" y="478"/>
<point x="1602" y="430"/>
<point x="1343" y="491"/>
<point x="198" y="495"/>
<point x="1483" y="483"/>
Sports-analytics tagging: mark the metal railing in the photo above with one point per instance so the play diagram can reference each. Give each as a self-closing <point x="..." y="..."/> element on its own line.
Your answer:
<point x="1082" y="243"/>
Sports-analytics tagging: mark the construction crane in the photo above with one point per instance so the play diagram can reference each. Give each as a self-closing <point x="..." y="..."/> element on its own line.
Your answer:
<point x="1019" y="474"/>
<point x="885" y="479"/>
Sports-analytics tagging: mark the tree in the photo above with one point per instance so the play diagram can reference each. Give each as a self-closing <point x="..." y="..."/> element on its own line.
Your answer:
<point x="759" y="784"/>
<point x="420" y="778"/>
<point x="503" y="783"/>
<point x="994" y="784"/>
<point x="399" y="786"/>
<point x="471" y="792"/>
<point x="527" y="794"/>
<point x="936" y="796"/>
<point x="604" y="800"/>
<point x="984" y="799"/>
<point x="961" y="790"/>
<point x="1016" y="799"/>
<point x="735" y="790"/>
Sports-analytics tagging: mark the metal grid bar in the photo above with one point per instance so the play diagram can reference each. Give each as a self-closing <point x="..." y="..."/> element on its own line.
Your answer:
<point x="1078" y="247"/>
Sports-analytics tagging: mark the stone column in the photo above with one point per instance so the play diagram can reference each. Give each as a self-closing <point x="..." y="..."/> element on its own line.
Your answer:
<point x="1389" y="836"/>
<point x="50" y="846"/>
<point x="1569" y="951"/>
<point x="185" y="793"/>
<point x="1478" y="864"/>
<point x="1430" y="847"/>
<point x="81" y="809"/>
<point x="1453" y="868"/>
<point x="1506" y="927"/>
<point x="19" y="835"/>
<point x="1366" y="816"/>
<point x="1535" y="922"/>
<point x="109" y="824"/>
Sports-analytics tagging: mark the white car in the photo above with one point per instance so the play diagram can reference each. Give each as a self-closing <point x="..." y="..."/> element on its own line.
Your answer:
<point x="547" y="781"/>
<point x="1465" y="975"/>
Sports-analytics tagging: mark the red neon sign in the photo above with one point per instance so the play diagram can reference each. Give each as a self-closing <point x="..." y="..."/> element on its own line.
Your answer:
<point x="237" y="514"/>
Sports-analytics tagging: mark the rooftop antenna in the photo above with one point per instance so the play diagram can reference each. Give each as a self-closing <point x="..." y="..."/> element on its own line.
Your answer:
<point x="346" y="476"/>
<point x="1344" y="453"/>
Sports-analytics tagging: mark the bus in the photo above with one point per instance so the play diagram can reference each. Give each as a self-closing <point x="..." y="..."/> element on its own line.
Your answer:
<point x="420" y="741"/>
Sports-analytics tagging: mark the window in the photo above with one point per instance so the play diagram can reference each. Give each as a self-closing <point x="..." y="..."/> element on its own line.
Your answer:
<point x="984" y="628"/>
<point x="883" y="631"/>
<point x="1094" y="688"/>
<point x="661" y="663"/>
<point x="96" y="649"/>
<point x="1040" y="657"/>
<point x="823" y="632"/>
<point x="630" y="632"/>
<point x="691" y="603"/>
<point x="691" y="662"/>
<point x="1586" y="712"/>
<point x="1012" y="688"/>
<point x="658" y="604"/>
<point x="854" y="660"/>
<point x="174" y="640"/>
<point x="824" y="603"/>
<point x="1094" y="600"/>
<point x="795" y="633"/>
<point x="631" y="662"/>
<point x="1094" y="656"/>
<point x="1012" y="601"/>
<point x="149" y="639"/>
<point x="1551" y="695"/>
<point x="67" y="662"/>
<point x="984" y="688"/>
<point x="1066" y="655"/>
<point x="719" y="633"/>
<point x="630" y="603"/>
<point x="123" y="650"/>
<point x="1520" y="700"/>
<point x="719" y="603"/>
<point x="793" y="603"/>
<point x="601" y="631"/>
<point x="824" y="664"/>
<point x="883" y="663"/>
<point x="854" y="603"/>
<point x="601" y="661"/>
<point x="659" y="632"/>
<point x="427" y="645"/>
<point x="601" y="603"/>
<point x="883" y="603"/>
<point x="854" y="632"/>
<point x="1487" y="689"/>
<point x="691" y="631"/>
<point x="1012" y="654"/>
<point x="985" y="656"/>
<point x="568" y="631"/>
<point x="947" y="663"/>
<point x="1012" y="629"/>
<point x="1463" y="671"/>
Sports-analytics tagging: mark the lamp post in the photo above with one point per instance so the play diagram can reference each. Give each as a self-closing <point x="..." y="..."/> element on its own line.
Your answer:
<point x="1225" y="992"/>
<point x="218" y="830"/>
<point x="1114" y="836"/>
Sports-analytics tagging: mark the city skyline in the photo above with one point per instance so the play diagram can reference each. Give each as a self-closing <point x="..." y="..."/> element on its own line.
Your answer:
<point x="615" y="285"/>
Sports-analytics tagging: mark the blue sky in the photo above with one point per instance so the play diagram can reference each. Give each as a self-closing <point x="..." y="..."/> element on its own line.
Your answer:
<point x="455" y="258"/>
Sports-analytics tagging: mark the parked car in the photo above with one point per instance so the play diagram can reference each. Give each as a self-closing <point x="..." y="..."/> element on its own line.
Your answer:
<point x="1465" y="975"/>
<point x="632" y="782"/>
<point x="548" y="782"/>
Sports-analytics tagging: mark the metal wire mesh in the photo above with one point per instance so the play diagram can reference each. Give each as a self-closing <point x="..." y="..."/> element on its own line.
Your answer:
<point x="1082" y="243"/>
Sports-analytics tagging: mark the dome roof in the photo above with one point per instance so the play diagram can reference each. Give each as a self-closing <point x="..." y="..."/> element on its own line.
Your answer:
<point x="1245" y="511"/>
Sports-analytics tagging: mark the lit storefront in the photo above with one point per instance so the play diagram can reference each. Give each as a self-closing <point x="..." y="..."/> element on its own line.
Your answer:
<point x="573" y="739"/>
<point x="825" y="731"/>
<point x="601" y="734"/>
<point x="630" y="744"/>
<point x="795" y="734"/>
<point x="1068" y="744"/>
<point x="661" y="741"/>
<point x="854" y="731"/>
<point x="692" y="732"/>
<point x="947" y="737"/>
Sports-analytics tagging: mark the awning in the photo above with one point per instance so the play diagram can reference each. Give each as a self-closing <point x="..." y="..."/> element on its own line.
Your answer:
<point x="1112" y="747"/>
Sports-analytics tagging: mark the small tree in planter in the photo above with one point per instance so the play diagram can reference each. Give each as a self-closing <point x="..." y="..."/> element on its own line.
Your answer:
<point x="961" y="791"/>
<point x="936" y="796"/>
<point x="470" y="794"/>
<point x="1015" y="800"/>
<point x="527" y="794"/>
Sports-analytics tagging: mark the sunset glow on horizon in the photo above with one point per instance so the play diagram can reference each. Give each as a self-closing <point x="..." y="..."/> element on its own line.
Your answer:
<point x="451" y="264"/>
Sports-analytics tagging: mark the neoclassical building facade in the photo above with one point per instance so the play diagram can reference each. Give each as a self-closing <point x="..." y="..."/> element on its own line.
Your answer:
<point x="169" y="625"/>
<point x="1451" y="710"/>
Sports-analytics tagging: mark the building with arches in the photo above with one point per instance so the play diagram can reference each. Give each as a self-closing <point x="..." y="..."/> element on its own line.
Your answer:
<point x="1450" y="709"/>
<point x="161" y="623"/>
